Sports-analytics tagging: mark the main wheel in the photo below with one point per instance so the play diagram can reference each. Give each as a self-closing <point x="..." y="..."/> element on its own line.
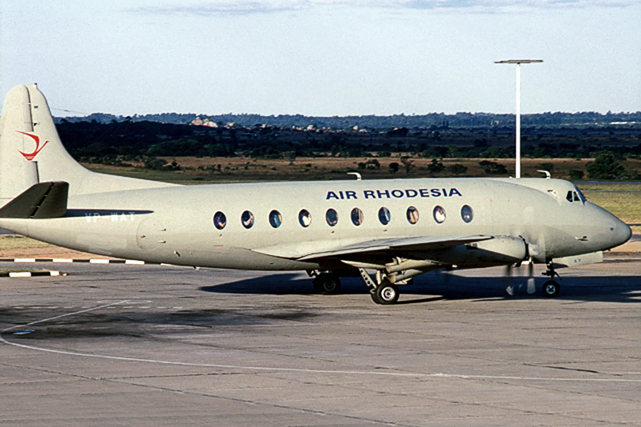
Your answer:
<point x="387" y="294"/>
<point x="374" y="296"/>
<point x="327" y="284"/>
<point x="551" y="289"/>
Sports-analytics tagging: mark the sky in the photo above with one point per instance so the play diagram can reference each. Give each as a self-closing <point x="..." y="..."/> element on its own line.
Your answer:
<point x="323" y="57"/>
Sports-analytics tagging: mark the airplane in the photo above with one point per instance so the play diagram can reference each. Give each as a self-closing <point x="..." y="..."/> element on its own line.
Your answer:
<point x="397" y="228"/>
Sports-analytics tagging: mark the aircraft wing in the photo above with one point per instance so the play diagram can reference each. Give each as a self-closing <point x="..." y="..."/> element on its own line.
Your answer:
<point x="376" y="246"/>
<point x="402" y="244"/>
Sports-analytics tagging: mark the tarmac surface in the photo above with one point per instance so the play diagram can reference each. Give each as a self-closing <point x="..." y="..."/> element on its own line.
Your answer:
<point x="128" y="345"/>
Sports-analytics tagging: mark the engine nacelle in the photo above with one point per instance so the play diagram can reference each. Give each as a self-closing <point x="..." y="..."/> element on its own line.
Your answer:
<point x="500" y="250"/>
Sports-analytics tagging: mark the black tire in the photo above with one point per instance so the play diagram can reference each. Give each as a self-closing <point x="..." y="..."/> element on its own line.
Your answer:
<point x="374" y="296"/>
<point x="551" y="289"/>
<point x="327" y="284"/>
<point x="387" y="294"/>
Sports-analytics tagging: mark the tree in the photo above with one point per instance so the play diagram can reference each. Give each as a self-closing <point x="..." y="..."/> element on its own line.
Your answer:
<point x="457" y="169"/>
<point x="491" y="167"/>
<point x="604" y="166"/>
<point x="393" y="167"/>
<point x="408" y="164"/>
<point x="576" y="175"/>
<point x="435" y="167"/>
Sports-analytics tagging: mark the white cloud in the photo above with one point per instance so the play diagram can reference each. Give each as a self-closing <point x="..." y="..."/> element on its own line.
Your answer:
<point x="226" y="8"/>
<point x="244" y="7"/>
<point x="498" y="5"/>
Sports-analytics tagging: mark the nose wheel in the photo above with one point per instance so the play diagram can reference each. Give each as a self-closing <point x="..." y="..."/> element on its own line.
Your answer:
<point x="551" y="288"/>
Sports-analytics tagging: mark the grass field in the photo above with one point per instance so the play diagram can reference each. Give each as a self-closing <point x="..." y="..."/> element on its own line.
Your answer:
<point x="624" y="201"/>
<point x="19" y="242"/>
<point x="195" y="170"/>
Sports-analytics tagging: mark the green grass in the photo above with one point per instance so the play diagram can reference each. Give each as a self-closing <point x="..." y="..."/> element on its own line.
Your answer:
<point x="19" y="242"/>
<point x="623" y="200"/>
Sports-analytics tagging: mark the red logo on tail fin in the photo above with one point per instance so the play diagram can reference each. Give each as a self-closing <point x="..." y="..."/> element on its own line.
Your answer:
<point x="36" y="138"/>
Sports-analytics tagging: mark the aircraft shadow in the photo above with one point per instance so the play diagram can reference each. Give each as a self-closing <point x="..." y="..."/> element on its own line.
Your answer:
<point x="438" y="286"/>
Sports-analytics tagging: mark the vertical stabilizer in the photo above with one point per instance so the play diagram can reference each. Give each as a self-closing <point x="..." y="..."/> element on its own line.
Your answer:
<point x="31" y="151"/>
<point x="17" y="171"/>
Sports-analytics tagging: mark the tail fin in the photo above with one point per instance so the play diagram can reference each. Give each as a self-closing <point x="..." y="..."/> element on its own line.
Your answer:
<point x="31" y="151"/>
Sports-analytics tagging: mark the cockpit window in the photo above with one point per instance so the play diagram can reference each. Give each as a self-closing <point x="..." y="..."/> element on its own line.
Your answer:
<point x="575" y="196"/>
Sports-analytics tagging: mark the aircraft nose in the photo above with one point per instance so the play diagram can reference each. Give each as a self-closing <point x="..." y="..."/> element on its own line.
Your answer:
<point x="621" y="233"/>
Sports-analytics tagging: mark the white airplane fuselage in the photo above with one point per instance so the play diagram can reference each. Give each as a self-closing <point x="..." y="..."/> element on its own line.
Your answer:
<point x="175" y="225"/>
<point x="400" y="228"/>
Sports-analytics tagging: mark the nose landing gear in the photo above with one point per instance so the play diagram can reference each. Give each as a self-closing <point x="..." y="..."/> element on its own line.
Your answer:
<point x="551" y="288"/>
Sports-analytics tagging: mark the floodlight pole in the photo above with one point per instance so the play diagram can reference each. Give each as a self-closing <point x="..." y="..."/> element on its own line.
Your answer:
<point x="518" y="62"/>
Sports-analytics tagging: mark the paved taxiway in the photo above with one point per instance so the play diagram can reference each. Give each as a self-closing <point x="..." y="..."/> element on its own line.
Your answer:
<point x="150" y="345"/>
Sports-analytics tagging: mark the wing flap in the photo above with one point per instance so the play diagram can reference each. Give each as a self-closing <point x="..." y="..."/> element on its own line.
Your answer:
<point x="40" y="201"/>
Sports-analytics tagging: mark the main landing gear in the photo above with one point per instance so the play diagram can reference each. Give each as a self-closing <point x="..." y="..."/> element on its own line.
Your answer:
<point x="551" y="288"/>
<point x="327" y="283"/>
<point x="385" y="293"/>
<point x="382" y="291"/>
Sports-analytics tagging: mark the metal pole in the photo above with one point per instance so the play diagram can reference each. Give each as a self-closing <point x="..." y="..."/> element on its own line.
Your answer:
<point x="518" y="62"/>
<point x="517" y="168"/>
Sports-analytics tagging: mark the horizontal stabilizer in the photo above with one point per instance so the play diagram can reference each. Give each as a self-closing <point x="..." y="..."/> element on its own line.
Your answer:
<point x="40" y="201"/>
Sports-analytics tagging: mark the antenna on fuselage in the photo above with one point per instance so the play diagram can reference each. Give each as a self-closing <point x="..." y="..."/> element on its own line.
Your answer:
<point x="548" y="175"/>
<point x="518" y="62"/>
<point x="356" y="174"/>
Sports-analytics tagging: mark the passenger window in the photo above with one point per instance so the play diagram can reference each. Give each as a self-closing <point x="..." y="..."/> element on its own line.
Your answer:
<point x="412" y="215"/>
<point x="332" y="217"/>
<point x="357" y="216"/>
<point x="275" y="219"/>
<point x="305" y="218"/>
<point x="247" y="219"/>
<point x="220" y="220"/>
<point x="467" y="214"/>
<point x="439" y="214"/>
<point x="384" y="216"/>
